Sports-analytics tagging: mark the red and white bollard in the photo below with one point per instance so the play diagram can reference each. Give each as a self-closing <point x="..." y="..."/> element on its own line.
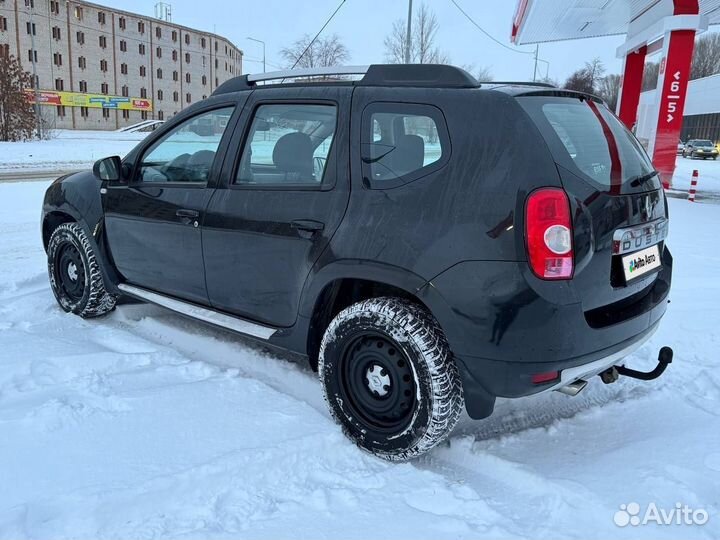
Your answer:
<point x="693" y="186"/>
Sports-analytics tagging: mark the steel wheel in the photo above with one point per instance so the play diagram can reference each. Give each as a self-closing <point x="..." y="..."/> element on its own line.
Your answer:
<point x="69" y="270"/>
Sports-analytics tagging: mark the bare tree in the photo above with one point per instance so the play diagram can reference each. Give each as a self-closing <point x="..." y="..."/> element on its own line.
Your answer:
<point x="422" y="42"/>
<point x="609" y="89"/>
<point x="588" y="78"/>
<point x="324" y="52"/>
<point x="17" y="118"/>
<point x="706" y="56"/>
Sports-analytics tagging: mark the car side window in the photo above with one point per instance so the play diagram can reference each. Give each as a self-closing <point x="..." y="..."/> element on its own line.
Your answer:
<point x="186" y="153"/>
<point x="402" y="142"/>
<point x="287" y="144"/>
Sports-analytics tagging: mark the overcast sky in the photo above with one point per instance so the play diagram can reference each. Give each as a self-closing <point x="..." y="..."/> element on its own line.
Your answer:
<point x="363" y="24"/>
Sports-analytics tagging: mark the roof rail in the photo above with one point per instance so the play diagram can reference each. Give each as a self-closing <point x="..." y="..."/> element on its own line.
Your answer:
<point x="419" y="75"/>
<point x="522" y="83"/>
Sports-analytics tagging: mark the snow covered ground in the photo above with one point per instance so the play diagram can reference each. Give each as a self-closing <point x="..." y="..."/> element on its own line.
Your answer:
<point x="69" y="150"/>
<point x="143" y="424"/>
<point x="708" y="179"/>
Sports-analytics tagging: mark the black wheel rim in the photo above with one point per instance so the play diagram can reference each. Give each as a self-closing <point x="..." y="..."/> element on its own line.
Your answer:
<point x="377" y="383"/>
<point x="69" y="272"/>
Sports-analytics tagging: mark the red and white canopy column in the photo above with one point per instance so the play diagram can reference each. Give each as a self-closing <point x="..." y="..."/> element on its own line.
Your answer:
<point x="668" y="29"/>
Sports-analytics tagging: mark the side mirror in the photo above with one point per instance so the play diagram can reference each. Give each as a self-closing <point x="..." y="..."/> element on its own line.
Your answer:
<point x="108" y="169"/>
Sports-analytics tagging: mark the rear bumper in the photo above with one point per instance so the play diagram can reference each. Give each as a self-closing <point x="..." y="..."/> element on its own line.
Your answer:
<point x="512" y="331"/>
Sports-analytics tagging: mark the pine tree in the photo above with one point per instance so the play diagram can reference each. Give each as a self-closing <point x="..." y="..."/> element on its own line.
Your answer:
<point x="17" y="118"/>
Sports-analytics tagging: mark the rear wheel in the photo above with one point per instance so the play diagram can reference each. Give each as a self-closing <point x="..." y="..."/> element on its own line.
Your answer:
<point x="389" y="378"/>
<point x="75" y="276"/>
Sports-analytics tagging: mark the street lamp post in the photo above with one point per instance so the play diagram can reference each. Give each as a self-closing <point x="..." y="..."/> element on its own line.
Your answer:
<point x="263" y="46"/>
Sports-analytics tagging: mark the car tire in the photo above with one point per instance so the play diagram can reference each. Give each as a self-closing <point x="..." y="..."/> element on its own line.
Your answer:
<point x="389" y="378"/>
<point x="75" y="276"/>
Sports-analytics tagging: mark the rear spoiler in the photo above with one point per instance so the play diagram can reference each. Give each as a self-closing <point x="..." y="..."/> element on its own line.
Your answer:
<point x="559" y="92"/>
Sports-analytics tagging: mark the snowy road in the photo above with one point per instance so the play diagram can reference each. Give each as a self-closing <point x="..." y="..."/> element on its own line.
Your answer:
<point x="146" y="425"/>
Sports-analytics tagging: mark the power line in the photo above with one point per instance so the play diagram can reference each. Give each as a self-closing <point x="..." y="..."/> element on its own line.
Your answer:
<point x="318" y="34"/>
<point x="469" y="18"/>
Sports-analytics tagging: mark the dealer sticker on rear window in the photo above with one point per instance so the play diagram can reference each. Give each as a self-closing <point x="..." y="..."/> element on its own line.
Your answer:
<point x="641" y="262"/>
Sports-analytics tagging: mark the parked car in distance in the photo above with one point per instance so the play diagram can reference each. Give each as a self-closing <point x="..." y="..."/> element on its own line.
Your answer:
<point x="700" y="148"/>
<point x="385" y="229"/>
<point x="680" y="147"/>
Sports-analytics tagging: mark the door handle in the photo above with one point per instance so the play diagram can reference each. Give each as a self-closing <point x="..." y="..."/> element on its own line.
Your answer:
<point x="185" y="213"/>
<point x="307" y="227"/>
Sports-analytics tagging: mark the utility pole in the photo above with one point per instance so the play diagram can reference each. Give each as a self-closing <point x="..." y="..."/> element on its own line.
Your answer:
<point x="263" y="45"/>
<point x="38" y="123"/>
<point x="408" y="37"/>
<point x="537" y="49"/>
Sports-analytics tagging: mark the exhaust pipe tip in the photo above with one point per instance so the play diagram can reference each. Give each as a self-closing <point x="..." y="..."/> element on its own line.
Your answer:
<point x="574" y="388"/>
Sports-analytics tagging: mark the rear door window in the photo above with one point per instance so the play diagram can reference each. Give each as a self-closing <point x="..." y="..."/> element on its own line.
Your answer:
<point x="401" y="143"/>
<point x="585" y="137"/>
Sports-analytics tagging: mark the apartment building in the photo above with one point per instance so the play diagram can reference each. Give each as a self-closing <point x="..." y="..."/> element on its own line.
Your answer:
<point x="97" y="67"/>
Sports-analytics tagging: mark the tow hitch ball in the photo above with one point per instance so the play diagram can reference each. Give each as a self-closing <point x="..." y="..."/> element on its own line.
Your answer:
<point x="664" y="358"/>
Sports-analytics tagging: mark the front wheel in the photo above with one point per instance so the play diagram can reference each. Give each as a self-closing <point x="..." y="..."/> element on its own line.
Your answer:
<point x="75" y="276"/>
<point x="389" y="378"/>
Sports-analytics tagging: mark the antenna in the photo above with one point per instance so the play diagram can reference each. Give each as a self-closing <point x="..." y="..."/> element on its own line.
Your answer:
<point x="163" y="11"/>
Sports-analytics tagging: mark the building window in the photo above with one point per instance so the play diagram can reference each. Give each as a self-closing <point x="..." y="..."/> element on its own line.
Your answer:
<point x="103" y="65"/>
<point x="123" y="45"/>
<point x="60" y="111"/>
<point x="78" y="13"/>
<point x="5" y="50"/>
<point x="124" y="91"/>
<point x="143" y="92"/>
<point x="83" y="87"/>
<point x="187" y="39"/>
<point x="158" y="32"/>
<point x="101" y="17"/>
<point x="30" y="3"/>
<point x="175" y="76"/>
<point x="104" y="88"/>
<point x="204" y="80"/>
<point x="102" y="40"/>
<point x="188" y="98"/>
<point x="141" y="27"/>
<point x="106" y="113"/>
<point x="158" y="52"/>
<point x="204" y="96"/>
<point x="3" y="24"/>
<point x="143" y="115"/>
<point x="174" y="35"/>
<point x="202" y="42"/>
<point x="56" y="33"/>
<point x="125" y="114"/>
<point x="121" y="23"/>
<point x="143" y="71"/>
<point x="216" y="63"/>
<point x="159" y="95"/>
<point x="216" y="46"/>
<point x="57" y="59"/>
<point x="187" y="78"/>
<point x="159" y="73"/>
<point x="217" y="82"/>
<point x="59" y="85"/>
<point x="141" y="48"/>
<point x="80" y="37"/>
<point x="174" y="56"/>
<point x="187" y="57"/>
<point x="123" y="69"/>
<point x="31" y="28"/>
<point x="176" y="97"/>
<point x="161" y="115"/>
<point x="84" y="112"/>
<point x="55" y="7"/>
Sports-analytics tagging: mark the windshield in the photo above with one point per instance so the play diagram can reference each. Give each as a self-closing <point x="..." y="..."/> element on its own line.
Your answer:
<point x="704" y="143"/>
<point x="588" y="139"/>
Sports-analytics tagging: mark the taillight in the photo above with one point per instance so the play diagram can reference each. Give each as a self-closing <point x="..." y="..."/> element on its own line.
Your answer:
<point x="548" y="233"/>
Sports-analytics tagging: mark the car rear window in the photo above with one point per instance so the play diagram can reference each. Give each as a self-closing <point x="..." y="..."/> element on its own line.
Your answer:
<point x="585" y="137"/>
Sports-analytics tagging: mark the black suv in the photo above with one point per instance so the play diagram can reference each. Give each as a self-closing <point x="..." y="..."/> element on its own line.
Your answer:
<point x="427" y="242"/>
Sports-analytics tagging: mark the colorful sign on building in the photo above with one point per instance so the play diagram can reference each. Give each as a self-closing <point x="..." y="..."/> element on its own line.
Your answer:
<point x="96" y="101"/>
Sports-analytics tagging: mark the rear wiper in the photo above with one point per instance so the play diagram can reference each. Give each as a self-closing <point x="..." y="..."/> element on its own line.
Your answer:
<point x="637" y="180"/>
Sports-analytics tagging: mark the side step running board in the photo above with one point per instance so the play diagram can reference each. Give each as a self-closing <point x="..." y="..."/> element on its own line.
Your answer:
<point x="200" y="313"/>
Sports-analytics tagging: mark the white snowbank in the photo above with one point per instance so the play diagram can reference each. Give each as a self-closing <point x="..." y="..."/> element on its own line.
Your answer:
<point x="143" y="424"/>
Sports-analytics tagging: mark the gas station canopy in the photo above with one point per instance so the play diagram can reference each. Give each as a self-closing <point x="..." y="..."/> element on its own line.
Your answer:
<point x="664" y="27"/>
<point x="541" y="21"/>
